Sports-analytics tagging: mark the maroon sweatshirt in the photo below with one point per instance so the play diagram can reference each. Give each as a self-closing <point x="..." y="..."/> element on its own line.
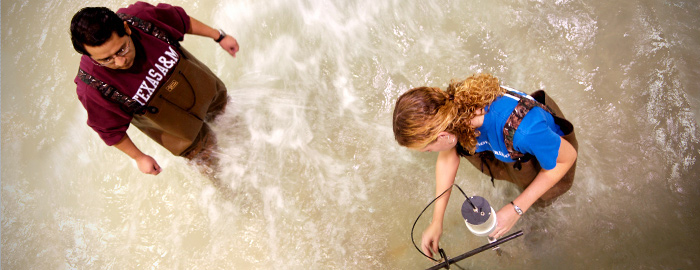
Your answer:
<point x="155" y="61"/>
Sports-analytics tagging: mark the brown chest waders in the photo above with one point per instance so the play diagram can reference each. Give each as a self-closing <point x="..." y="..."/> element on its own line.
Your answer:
<point x="523" y="172"/>
<point x="191" y="95"/>
<point x="175" y="114"/>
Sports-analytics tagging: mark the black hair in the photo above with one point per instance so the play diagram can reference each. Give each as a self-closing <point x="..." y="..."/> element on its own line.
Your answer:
<point x="93" y="26"/>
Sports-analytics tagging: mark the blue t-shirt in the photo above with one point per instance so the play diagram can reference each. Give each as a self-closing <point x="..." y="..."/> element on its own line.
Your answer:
<point x="537" y="134"/>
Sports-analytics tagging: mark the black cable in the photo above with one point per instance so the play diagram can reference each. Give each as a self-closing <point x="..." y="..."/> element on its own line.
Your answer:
<point x="465" y="196"/>
<point x="426" y="207"/>
<point x="446" y="263"/>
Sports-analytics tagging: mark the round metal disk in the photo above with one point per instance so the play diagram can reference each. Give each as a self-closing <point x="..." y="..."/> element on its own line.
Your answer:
<point x="481" y="215"/>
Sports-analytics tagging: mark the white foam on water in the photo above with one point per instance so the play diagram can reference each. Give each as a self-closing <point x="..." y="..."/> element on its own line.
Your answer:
<point x="310" y="175"/>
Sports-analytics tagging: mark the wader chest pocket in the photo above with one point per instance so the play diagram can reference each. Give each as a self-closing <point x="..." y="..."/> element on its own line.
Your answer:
<point x="178" y="92"/>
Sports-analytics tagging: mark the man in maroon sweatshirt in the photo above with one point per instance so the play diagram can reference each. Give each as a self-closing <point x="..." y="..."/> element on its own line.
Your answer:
<point x="133" y="70"/>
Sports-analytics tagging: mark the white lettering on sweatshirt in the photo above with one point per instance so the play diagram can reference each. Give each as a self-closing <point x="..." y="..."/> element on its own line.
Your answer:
<point x="155" y="75"/>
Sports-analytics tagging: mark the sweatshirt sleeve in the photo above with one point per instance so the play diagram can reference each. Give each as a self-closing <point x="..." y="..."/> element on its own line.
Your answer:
<point x="169" y="18"/>
<point x="104" y="117"/>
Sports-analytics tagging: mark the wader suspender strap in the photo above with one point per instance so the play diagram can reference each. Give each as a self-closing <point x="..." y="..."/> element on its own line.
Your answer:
<point x="148" y="28"/>
<point x="110" y="92"/>
<point x="524" y="105"/>
<point x="483" y="156"/>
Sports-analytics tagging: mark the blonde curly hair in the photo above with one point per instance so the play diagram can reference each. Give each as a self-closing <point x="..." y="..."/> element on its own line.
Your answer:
<point x="423" y="112"/>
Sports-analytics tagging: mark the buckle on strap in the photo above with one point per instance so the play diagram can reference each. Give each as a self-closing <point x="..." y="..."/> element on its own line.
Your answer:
<point x="144" y="109"/>
<point x="519" y="161"/>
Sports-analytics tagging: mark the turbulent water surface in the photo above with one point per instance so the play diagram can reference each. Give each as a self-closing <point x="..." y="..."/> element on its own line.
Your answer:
<point x="311" y="177"/>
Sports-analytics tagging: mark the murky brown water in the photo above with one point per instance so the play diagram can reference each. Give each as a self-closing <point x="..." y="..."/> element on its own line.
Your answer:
<point x="312" y="176"/>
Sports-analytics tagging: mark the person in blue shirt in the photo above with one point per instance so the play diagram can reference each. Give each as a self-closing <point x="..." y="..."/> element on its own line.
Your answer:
<point x="503" y="132"/>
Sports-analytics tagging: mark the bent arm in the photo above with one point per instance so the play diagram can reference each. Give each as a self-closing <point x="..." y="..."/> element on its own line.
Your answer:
<point x="201" y="29"/>
<point x="445" y="172"/>
<point x="229" y="44"/>
<point x="545" y="179"/>
<point x="145" y="162"/>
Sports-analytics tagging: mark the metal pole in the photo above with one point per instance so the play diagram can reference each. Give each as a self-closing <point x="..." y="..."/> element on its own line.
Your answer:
<point x="475" y="251"/>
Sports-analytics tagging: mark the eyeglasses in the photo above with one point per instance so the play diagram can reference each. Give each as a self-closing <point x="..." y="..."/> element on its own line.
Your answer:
<point x="120" y="53"/>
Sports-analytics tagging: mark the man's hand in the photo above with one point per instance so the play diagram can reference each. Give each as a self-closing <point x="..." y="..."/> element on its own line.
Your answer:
<point x="145" y="162"/>
<point x="148" y="165"/>
<point x="230" y="45"/>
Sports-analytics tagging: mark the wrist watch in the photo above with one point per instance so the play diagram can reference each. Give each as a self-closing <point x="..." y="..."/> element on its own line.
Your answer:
<point x="517" y="209"/>
<point x="222" y="35"/>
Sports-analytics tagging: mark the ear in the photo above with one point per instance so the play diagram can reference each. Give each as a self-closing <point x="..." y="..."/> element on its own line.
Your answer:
<point x="444" y="135"/>
<point x="127" y="29"/>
